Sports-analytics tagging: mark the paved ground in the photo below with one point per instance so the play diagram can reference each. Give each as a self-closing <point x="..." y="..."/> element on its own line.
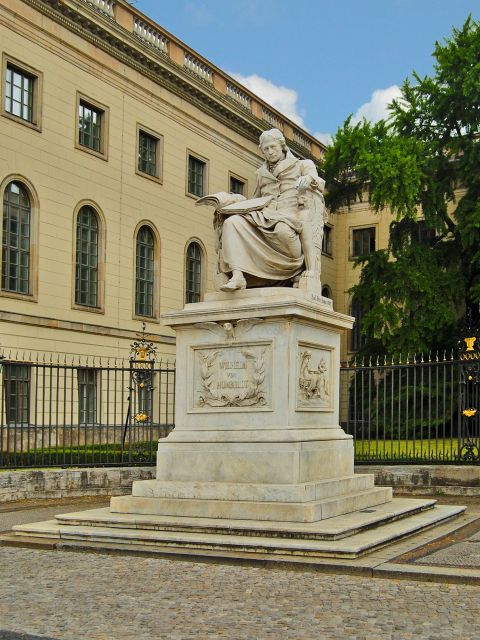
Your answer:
<point x="90" y="596"/>
<point x="97" y="596"/>
<point x="37" y="510"/>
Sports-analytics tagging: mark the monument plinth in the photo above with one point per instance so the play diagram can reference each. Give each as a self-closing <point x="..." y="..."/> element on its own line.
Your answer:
<point x="257" y="462"/>
<point x="257" y="431"/>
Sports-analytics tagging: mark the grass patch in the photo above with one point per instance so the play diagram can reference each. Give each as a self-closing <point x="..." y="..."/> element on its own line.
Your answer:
<point x="85" y="455"/>
<point x="421" y="451"/>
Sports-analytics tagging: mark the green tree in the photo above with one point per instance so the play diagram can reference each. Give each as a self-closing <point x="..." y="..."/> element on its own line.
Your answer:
<point x="423" y="161"/>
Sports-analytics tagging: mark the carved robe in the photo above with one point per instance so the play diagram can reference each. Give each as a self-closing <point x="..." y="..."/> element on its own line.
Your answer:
<point x="265" y="245"/>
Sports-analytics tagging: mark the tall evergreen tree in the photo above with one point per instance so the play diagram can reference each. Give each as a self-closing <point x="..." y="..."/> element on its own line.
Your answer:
<point x="422" y="163"/>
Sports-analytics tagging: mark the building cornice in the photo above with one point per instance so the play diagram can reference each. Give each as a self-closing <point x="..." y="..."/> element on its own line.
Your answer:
<point x="105" y="33"/>
<point x="80" y="327"/>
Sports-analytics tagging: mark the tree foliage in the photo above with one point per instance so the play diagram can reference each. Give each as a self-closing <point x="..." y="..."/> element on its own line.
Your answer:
<point x="423" y="162"/>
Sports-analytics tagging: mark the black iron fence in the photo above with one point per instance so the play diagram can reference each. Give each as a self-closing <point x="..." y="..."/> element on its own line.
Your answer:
<point x="100" y="412"/>
<point x="86" y="411"/>
<point x="421" y="410"/>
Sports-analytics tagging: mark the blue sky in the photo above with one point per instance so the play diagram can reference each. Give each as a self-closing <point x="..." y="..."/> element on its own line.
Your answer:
<point x="317" y="61"/>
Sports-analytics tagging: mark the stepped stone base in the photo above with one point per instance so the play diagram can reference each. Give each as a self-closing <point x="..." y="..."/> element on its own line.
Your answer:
<point x="312" y="511"/>
<point x="302" y="502"/>
<point x="346" y="536"/>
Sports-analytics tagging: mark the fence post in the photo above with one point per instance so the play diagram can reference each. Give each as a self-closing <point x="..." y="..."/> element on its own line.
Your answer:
<point x="140" y="399"/>
<point x="469" y="347"/>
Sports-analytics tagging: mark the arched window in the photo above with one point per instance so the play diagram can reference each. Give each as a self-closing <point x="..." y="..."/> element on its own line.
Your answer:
<point x="144" y="272"/>
<point x="327" y="292"/>
<point x="86" y="264"/>
<point x="16" y="239"/>
<point x="193" y="273"/>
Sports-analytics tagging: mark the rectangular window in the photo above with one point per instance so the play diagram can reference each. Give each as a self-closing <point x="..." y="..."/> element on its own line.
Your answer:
<point x="92" y="126"/>
<point x="363" y="241"/>
<point x="21" y="91"/>
<point x="196" y="176"/>
<point x="327" y="240"/>
<point x="87" y="396"/>
<point x="423" y="234"/>
<point x="357" y="340"/>
<point x="237" y="186"/>
<point x="89" y="126"/>
<point x="148" y="154"/>
<point x="16" y="382"/>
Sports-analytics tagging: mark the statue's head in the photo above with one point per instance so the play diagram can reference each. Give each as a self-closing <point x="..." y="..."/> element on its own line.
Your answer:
<point x="272" y="144"/>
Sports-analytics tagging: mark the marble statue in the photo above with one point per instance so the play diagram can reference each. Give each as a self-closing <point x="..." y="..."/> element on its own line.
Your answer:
<point x="280" y="242"/>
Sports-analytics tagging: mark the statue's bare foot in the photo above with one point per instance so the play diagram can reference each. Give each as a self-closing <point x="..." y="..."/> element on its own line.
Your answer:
<point x="236" y="282"/>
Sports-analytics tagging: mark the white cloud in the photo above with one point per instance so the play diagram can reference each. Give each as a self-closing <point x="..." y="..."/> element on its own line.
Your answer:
<point x="199" y="14"/>
<point x="376" y="108"/>
<point x="373" y="110"/>
<point x="325" y="138"/>
<point x="281" y="98"/>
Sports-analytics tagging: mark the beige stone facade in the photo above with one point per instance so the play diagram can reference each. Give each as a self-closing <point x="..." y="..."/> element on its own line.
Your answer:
<point x="144" y="87"/>
<point x="359" y="223"/>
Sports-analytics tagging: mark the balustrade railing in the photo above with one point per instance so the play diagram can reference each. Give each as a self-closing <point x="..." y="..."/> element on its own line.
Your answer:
<point x="150" y="35"/>
<point x="238" y="95"/>
<point x="302" y="140"/>
<point x="272" y="119"/>
<point x="106" y="6"/>
<point x="199" y="68"/>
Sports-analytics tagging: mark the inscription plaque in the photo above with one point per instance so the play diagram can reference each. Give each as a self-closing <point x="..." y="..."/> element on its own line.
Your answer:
<point x="232" y="377"/>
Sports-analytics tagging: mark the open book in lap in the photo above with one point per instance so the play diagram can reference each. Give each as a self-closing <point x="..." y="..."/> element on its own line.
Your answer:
<point x="220" y="199"/>
<point x="231" y="203"/>
<point x="245" y="206"/>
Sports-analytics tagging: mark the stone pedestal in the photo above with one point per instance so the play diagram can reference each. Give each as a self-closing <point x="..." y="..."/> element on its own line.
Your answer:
<point x="257" y="432"/>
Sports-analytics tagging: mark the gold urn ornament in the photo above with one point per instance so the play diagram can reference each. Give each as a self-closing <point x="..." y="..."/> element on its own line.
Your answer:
<point x="470" y="342"/>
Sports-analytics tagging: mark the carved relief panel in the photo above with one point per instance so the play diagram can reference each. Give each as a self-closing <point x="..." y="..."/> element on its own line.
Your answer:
<point x="314" y="385"/>
<point x="235" y="377"/>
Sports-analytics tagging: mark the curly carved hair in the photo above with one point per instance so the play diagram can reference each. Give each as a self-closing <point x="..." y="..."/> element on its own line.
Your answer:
<point x="273" y="134"/>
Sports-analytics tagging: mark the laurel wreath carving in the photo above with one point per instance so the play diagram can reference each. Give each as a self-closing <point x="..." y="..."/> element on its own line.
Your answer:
<point x="253" y="394"/>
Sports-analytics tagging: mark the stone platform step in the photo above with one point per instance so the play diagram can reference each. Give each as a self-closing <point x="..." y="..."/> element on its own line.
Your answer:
<point x="366" y="532"/>
<point x="311" y="511"/>
<point x="331" y="529"/>
<point x="264" y="492"/>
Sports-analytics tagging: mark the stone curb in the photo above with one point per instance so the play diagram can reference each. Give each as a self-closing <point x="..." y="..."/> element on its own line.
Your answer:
<point x="431" y="480"/>
<point x="28" y="484"/>
<point x="62" y="483"/>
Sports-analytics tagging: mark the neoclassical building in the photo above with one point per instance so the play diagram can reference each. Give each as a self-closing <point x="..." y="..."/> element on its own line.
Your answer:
<point x="111" y="128"/>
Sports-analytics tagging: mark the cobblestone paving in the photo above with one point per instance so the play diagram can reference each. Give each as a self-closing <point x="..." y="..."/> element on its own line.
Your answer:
<point x="462" y="554"/>
<point x="86" y="596"/>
